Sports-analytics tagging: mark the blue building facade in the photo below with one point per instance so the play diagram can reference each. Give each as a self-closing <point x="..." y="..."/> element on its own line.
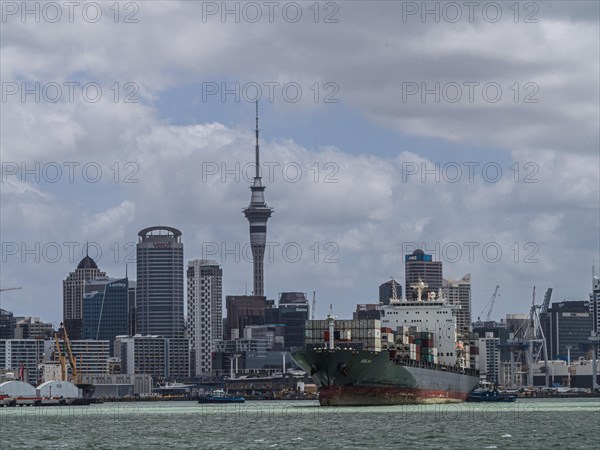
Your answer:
<point x="106" y="309"/>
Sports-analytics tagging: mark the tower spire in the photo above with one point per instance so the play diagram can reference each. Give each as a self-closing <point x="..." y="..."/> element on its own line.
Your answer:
<point x="256" y="148"/>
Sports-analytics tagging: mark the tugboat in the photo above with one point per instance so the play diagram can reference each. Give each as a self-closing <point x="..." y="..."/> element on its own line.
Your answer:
<point x="219" y="396"/>
<point x="487" y="395"/>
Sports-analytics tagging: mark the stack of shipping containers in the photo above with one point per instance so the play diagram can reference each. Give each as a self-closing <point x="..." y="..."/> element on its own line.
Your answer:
<point x="365" y="331"/>
<point x="473" y="355"/>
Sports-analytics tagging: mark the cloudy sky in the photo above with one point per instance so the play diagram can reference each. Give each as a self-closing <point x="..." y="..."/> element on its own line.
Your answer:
<point x="471" y="131"/>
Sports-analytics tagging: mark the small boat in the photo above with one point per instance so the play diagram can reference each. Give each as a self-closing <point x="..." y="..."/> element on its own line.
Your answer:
<point x="219" y="396"/>
<point x="485" y="395"/>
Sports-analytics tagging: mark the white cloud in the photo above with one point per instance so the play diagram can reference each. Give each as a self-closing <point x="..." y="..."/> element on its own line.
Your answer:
<point x="370" y="212"/>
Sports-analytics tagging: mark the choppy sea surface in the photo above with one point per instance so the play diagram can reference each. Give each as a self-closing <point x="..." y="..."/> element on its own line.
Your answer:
<point x="525" y="424"/>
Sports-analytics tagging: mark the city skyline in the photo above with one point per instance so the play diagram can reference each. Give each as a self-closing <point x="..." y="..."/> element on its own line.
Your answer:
<point x="388" y="161"/>
<point x="89" y="263"/>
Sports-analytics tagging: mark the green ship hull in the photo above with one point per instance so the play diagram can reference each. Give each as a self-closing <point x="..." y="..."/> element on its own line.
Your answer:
<point x="360" y="378"/>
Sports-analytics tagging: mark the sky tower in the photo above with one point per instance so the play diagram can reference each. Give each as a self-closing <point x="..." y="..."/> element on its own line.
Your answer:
<point x="257" y="214"/>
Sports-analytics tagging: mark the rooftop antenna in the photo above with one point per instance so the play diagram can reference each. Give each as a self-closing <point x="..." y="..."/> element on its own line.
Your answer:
<point x="87" y="246"/>
<point x="125" y="270"/>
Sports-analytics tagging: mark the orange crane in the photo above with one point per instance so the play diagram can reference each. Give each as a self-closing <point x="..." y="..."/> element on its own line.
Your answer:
<point x="61" y="357"/>
<point x="74" y="373"/>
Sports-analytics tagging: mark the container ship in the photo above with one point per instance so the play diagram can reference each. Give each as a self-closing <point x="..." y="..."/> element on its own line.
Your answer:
<point x="412" y="355"/>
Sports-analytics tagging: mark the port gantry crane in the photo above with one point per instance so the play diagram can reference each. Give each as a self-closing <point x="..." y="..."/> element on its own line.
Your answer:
<point x="529" y="340"/>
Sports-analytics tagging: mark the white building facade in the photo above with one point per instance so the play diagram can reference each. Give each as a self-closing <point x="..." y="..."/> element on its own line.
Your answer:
<point x="205" y="312"/>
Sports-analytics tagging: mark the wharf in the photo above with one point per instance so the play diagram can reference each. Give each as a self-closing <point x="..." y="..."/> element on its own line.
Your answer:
<point x="554" y="394"/>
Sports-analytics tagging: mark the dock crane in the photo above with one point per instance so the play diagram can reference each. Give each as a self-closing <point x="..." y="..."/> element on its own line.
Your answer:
<point x="61" y="358"/>
<point x="9" y="289"/>
<point x="74" y="372"/>
<point x="530" y="340"/>
<point x="489" y="305"/>
<point x="546" y="303"/>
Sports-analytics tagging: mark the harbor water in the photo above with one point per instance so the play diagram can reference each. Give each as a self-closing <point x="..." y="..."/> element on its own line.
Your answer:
<point x="532" y="424"/>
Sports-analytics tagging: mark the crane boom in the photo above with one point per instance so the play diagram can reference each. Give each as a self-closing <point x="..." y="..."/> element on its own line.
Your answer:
<point x="10" y="289"/>
<point x="72" y="359"/>
<point x="490" y="305"/>
<point x="493" y="300"/>
<point x="547" y="297"/>
<point x="61" y="358"/>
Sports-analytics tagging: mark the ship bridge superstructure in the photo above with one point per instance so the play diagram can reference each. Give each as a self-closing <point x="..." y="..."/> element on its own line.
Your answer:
<point x="434" y="315"/>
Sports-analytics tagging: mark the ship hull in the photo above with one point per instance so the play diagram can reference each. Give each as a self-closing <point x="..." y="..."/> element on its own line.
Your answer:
<point x="362" y="378"/>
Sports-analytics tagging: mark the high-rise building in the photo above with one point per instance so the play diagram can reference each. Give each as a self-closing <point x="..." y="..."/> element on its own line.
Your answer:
<point x="7" y="324"/>
<point x="205" y="311"/>
<point x="33" y="328"/>
<point x="159" y="286"/>
<point x="22" y="356"/>
<point x="421" y="267"/>
<point x="105" y="309"/>
<point x="257" y="214"/>
<point x="595" y="309"/>
<point x="92" y="355"/>
<point x="271" y="334"/>
<point x="497" y="330"/>
<point x="367" y="311"/>
<point x="242" y="311"/>
<point x="458" y="292"/>
<point x="489" y="354"/>
<point x="595" y="305"/>
<point x="131" y="302"/>
<point x="154" y="355"/>
<point x="567" y="327"/>
<point x="293" y="314"/>
<point x="73" y="289"/>
<point x="387" y="291"/>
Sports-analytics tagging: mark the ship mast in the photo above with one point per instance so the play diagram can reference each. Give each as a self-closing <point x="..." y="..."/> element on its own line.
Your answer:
<point x="330" y="322"/>
<point x="420" y="286"/>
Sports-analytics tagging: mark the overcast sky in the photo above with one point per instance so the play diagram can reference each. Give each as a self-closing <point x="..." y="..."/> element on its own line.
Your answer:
<point x="472" y="131"/>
